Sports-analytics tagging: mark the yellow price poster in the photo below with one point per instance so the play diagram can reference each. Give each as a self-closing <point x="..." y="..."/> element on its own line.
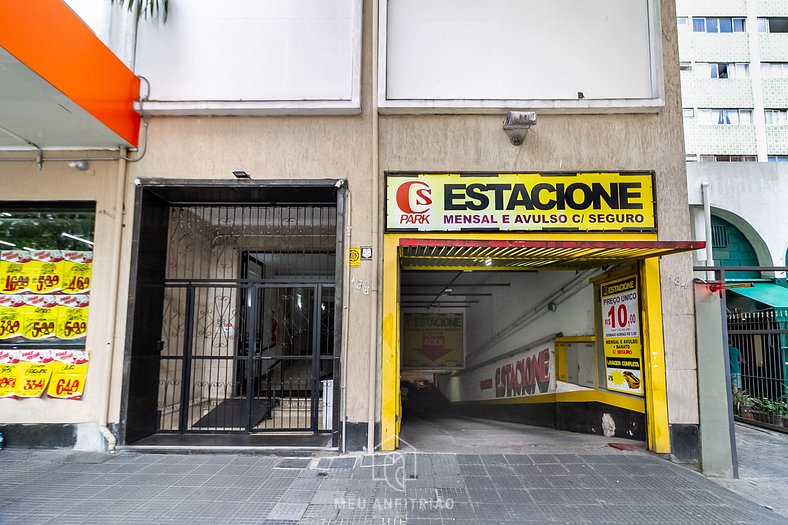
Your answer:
<point x="9" y="359"/>
<point x="621" y="335"/>
<point x="69" y="372"/>
<point x="12" y="308"/>
<point x="40" y="318"/>
<point x="77" y="267"/>
<point x="13" y="279"/>
<point x="33" y="372"/>
<point x="43" y="271"/>
<point x="72" y="318"/>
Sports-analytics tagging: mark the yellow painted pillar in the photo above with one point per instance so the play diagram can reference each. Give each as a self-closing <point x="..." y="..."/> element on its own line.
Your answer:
<point x="658" y="434"/>
<point x="390" y="406"/>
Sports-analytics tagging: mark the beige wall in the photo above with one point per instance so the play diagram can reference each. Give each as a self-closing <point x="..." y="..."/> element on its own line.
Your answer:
<point x="341" y="147"/>
<point x="24" y="182"/>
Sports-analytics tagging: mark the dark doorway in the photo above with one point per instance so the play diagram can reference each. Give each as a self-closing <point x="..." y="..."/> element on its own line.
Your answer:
<point x="233" y="315"/>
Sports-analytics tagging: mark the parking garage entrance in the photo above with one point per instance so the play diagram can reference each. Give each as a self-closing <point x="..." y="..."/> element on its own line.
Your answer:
<point x="546" y="327"/>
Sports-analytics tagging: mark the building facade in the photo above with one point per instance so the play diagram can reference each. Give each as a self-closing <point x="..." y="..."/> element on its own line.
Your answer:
<point x="317" y="182"/>
<point x="733" y="56"/>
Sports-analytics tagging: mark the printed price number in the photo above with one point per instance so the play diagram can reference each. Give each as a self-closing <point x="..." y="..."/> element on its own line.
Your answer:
<point x="34" y="384"/>
<point x="78" y="283"/>
<point x="621" y="315"/>
<point x="42" y="328"/>
<point x="66" y="386"/>
<point x="7" y="382"/>
<point x="45" y="282"/>
<point x="9" y="326"/>
<point x="75" y="328"/>
<point x="15" y="282"/>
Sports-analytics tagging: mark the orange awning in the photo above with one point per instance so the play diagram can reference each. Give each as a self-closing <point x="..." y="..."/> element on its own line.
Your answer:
<point x="60" y="86"/>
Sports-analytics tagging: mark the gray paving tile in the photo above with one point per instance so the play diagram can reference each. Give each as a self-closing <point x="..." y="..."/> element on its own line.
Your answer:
<point x="469" y="459"/>
<point x="287" y="511"/>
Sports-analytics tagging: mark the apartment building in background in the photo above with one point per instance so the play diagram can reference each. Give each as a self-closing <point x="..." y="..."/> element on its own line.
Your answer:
<point x="734" y="79"/>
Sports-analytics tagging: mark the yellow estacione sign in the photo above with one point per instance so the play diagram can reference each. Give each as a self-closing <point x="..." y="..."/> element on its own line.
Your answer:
<point x="520" y="202"/>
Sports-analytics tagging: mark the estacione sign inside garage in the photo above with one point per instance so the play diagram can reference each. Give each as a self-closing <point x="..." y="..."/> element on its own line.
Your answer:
<point x="520" y="202"/>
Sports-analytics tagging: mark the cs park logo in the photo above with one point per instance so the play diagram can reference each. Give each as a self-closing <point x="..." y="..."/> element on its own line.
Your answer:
<point x="414" y="199"/>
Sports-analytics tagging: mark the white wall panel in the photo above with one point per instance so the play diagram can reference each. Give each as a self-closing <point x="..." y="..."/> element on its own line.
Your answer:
<point x="516" y="50"/>
<point x="253" y="50"/>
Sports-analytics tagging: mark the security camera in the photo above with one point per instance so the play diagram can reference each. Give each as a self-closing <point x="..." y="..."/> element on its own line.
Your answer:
<point x="517" y="123"/>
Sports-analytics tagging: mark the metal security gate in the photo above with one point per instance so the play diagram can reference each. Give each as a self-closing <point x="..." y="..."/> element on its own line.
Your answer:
<point x="758" y="347"/>
<point x="247" y="339"/>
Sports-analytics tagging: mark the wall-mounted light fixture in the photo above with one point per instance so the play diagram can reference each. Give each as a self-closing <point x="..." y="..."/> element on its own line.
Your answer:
<point x="517" y="123"/>
<point x="81" y="165"/>
<point x="241" y="175"/>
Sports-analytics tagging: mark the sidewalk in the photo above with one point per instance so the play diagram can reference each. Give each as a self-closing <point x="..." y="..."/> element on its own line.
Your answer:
<point x="763" y="467"/>
<point x="66" y="487"/>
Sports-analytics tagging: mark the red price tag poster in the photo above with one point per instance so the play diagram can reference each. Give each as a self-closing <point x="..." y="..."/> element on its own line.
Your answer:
<point x="72" y="318"/>
<point x="68" y="374"/>
<point x="12" y="309"/>
<point x="9" y="359"/>
<point x="13" y="279"/>
<point x="33" y="372"/>
<point x="621" y="335"/>
<point x="77" y="267"/>
<point x="40" y="318"/>
<point x="44" y="271"/>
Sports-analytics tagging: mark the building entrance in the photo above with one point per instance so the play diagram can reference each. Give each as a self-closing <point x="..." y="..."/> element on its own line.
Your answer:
<point x="234" y="321"/>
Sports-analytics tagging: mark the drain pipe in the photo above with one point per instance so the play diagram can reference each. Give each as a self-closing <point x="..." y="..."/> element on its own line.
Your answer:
<point x="120" y="197"/>
<point x="704" y="190"/>
<point x="345" y="320"/>
<point x="373" y="311"/>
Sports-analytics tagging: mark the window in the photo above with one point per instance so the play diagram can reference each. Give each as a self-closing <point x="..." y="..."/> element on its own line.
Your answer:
<point x="728" y="158"/>
<point x="719" y="236"/>
<point x="725" y="116"/>
<point x="722" y="70"/>
<point x="778" y="158"/>
<point x="718" y="25"/>
<point x="773" y="25"/>
<point x="776" y="117"/>
<point x="46" y="256"/>
<point x="688" y="112"/>
<point x="774" y="69"/>
<point x="682" y="21"/>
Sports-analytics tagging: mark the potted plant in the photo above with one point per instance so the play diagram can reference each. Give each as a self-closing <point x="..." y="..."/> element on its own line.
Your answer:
<point x="742" y="402"/>
<point x="781" y="415"/>
<point x="760" y="408"/>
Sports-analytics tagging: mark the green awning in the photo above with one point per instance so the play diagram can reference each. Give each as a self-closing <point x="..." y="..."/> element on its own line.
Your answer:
<point x="766" y="293"/>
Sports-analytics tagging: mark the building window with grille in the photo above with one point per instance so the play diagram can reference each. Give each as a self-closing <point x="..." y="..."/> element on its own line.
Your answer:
<point x="719" y="236"/>
<point x="728" y="158"/>
<point x="725" y="117"/>
<point x="776" y="117"/>
<point x="718" y="25"/>
<point x="722" y="70"/>
<point x="774" y="69"/>
<point x="773" y="25"/>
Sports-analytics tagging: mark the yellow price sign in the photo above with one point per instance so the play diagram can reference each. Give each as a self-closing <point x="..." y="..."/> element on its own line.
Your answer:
<point x="68" y="375"/>
<point x="33" y="373"/>
<point x="8" y="375"/>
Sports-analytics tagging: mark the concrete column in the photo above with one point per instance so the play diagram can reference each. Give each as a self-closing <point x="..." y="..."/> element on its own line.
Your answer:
<point x="717" y="438"/>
